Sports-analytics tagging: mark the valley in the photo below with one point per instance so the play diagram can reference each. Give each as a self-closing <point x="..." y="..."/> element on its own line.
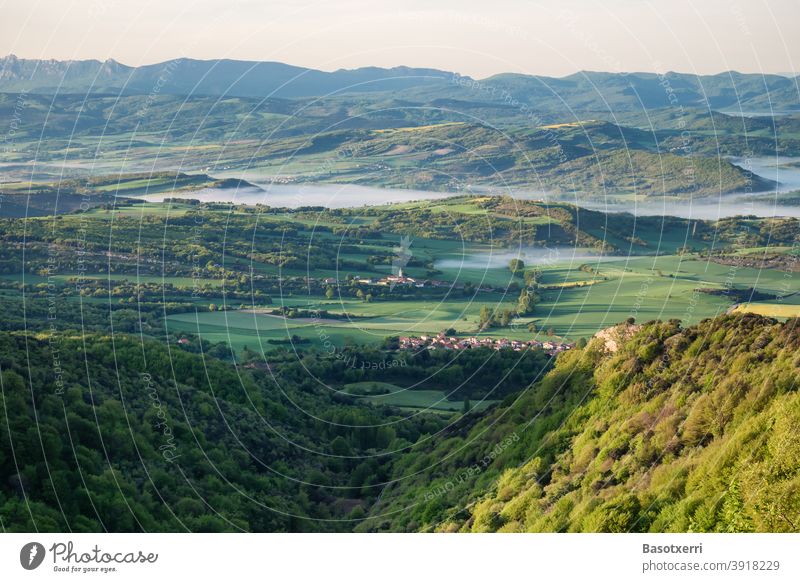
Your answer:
<point x="397" y="300"/>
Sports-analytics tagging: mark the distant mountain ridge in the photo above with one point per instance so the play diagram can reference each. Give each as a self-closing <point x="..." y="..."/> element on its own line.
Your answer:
<point x="190" y="76"/>
<point x="600" y="91"/>
<point x="585" y="91"/>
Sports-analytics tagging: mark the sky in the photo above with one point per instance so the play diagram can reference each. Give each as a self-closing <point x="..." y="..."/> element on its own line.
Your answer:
<point x="473" y="37"/>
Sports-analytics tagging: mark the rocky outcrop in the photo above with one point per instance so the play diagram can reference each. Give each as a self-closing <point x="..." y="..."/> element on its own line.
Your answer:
<point x="610" y="339"/>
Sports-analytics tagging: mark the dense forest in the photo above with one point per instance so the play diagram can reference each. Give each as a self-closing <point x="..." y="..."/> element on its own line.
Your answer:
<point x="106" y="433"/>
<point x="647" y="428"/>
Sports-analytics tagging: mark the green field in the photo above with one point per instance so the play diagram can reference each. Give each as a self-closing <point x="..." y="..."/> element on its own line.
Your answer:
<point x="646" y="288"/>
<point x="285" y="254"/>
<point x="778" y="310"/>
<point x="140" y="210"/>
<point x="435" y="400"/>
<point x="373" y="322"/>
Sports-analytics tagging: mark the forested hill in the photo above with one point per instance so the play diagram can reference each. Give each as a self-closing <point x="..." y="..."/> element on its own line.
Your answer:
<point x="102" y="434"/>
<point x="679" y="430"/>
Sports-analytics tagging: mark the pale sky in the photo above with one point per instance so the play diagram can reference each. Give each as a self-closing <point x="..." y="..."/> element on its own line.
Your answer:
<point x="473" y="37"/>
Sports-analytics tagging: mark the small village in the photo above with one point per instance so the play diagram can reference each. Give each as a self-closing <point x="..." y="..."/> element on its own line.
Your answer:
<point x="444" y="342"/>
<point x="395" y="280"/>
<point x="400" y="279"/>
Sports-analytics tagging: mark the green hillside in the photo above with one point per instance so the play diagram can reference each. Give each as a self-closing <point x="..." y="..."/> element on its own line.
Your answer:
<point x="679" y="430"/>
<point x="115" y="434"/>
<point x="594" y="157"/>
<point x="379" y="140"/>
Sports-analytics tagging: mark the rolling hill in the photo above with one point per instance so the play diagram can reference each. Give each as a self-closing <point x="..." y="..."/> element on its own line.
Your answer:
<point x="651" y="428"/>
